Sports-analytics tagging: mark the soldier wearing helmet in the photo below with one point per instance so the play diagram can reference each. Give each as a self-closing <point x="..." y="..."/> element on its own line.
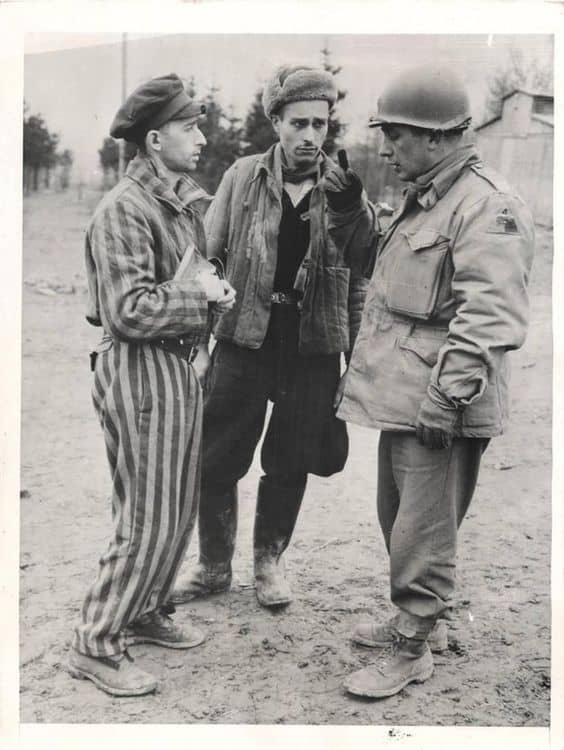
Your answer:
<point x="447" y="300"/>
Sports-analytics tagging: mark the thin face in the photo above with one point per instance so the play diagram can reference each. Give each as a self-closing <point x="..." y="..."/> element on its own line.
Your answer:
<point x="302" y="129"/>
<point x="181" y="142"/>
<point x="407" y="150"/>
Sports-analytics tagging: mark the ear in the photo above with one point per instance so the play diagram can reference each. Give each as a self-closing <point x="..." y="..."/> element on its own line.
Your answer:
<point x="275" y="119"/>
<point x="435" y="140"/>
<point x="153" y="139"/>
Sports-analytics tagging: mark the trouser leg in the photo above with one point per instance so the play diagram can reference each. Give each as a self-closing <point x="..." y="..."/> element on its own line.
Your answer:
<point x="234" y="412"/>
<point x="149" y="405"/>
<point x="435" y="488"/>
<point x="387" y="493"/>
<point x="278" y="504"/>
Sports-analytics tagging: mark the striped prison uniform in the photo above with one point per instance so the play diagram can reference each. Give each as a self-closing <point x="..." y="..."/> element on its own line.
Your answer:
<point x="148" y="400"/>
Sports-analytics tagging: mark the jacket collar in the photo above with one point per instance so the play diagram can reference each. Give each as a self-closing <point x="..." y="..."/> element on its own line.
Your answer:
<point x="431" y="186"/>
<point x="271" y="163"/>
<point x="146" y="172"/>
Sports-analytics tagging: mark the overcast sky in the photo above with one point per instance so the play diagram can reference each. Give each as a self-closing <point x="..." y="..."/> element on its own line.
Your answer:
<point x="74" y="80"/>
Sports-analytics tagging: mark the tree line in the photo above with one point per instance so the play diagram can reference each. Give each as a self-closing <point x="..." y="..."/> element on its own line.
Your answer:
<point x="230" y="137"/>
<point x="41" y="157"/>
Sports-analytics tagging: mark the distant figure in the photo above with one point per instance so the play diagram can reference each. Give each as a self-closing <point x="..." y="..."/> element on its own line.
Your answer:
<point x="295" y="232"/>
<point x="146" y="391"/>
<point x="447" y="300"/>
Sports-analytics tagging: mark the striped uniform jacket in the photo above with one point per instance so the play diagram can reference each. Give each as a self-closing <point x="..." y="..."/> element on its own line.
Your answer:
<point x="148" y="400"/>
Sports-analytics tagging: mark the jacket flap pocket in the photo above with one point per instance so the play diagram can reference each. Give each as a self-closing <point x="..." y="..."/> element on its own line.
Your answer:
<point x="424" y="238"/>
<point x="426" y="349"/>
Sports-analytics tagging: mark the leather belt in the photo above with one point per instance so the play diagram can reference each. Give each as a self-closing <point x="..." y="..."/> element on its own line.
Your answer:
<point x="180" y="346"/>
<point x="284" y="298"/>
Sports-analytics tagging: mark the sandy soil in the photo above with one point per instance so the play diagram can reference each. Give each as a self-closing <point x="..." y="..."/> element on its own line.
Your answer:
<point x="258" y="667"/>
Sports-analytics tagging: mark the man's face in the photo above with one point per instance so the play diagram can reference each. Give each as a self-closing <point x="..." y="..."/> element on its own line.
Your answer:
<point x="302" y="128"/>
<point x="181" y="143"/>
<point x="407" y="150"/>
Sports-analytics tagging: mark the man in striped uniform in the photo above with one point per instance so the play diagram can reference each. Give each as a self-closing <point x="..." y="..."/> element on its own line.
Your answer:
<point x="146" y="392"/>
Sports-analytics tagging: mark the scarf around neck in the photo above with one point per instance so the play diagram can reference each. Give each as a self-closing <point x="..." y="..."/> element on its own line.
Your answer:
<point x="447" y="168"/>
<point x="296" y="175"/>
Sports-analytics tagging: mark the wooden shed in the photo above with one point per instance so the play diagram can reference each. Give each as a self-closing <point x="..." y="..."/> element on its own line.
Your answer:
<point x="519" y="143"/>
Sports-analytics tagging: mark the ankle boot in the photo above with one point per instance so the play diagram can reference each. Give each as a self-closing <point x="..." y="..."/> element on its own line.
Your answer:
<point x="406" y="659"/>
<point x="275" y="519"/>
<point x="217" y="529"/>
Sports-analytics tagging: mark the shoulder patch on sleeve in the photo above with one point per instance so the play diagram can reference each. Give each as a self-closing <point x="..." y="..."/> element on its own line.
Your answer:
<point x="503" y="223"/>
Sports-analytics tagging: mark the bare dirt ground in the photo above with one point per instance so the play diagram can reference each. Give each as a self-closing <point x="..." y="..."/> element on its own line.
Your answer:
<point x="257" y="667"/>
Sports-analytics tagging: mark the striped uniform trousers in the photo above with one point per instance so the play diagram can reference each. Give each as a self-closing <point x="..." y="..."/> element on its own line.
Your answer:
<point x="149" y="403"/>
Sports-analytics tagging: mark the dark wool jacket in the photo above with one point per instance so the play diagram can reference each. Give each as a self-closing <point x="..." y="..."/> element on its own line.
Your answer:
<point x="242" y="227"/>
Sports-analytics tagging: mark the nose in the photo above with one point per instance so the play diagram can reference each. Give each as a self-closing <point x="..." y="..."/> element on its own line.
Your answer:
<point x="308" y="134"/>
<point x="385" y="148"/>
<point x="201" y="140"/>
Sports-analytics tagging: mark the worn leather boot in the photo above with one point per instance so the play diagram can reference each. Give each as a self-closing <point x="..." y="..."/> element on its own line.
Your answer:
<point x="380" y="636"/>
<point x="116" y="675"/>
<point x="406" y="660"/>
<point x="276" y="514"/>
<point x="217" y="529"/>
<point x="157" y="627"/>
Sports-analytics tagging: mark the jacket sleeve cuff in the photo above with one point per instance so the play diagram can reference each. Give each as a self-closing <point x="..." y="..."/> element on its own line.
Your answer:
<point x="434" y="415"/>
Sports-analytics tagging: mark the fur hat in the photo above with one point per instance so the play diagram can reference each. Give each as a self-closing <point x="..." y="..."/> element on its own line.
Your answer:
<point x="297" y="83"/>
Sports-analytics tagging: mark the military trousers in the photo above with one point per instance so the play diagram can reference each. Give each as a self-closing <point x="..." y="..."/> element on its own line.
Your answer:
<point x="422" y="498"/>
<point x="303" y="434"/>
<point x="149" y="404"/>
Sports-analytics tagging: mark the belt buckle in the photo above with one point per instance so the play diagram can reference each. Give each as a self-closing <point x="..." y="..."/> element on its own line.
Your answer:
<point x="281" y="298"/>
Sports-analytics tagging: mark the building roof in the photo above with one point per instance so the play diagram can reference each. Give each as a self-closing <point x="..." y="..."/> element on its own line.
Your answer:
<point x="529" y="92"/>
<point x="487" y="122"/>
<point x="546" y="119"/>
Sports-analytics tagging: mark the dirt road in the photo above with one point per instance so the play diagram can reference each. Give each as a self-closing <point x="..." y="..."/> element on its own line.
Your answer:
<point x="258" y="667"/>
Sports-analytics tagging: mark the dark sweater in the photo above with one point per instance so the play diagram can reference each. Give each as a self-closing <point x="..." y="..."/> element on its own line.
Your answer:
<point x="293" y="241"/>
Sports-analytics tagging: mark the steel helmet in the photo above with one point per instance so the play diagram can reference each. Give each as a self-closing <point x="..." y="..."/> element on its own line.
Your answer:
<point x="424" y="97"/>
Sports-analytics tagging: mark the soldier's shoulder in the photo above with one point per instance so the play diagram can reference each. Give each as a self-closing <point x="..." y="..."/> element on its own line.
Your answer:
<point x="497" y="202"/>
<point x="490" y="180"/>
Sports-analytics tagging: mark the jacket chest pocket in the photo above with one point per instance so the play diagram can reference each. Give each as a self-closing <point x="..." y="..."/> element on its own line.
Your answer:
<point x="415" y="273"/>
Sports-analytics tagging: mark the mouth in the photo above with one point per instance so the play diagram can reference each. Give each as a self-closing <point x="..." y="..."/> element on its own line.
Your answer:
<point x="306" y="151"/>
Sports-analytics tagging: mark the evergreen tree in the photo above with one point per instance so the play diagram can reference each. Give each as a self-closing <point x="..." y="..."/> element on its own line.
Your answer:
<point x="517" y="74"/>
<point x="224" y="134"/>
<point x="39" y="150"/>
<point x="109" y="159"/>
<point x="65" y="160"/>
<point x="336" y="127"/>
<point x="259" y="134"/>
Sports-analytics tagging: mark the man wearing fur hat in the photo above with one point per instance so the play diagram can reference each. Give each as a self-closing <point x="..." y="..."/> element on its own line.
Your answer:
<point x="145" y="390"/>
<point x="295" y="232"/>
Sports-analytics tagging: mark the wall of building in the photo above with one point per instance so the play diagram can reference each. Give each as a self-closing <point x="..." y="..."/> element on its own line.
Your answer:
<point x="525" y="161"/>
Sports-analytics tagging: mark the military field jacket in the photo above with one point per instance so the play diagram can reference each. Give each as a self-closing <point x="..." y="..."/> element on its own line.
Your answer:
<point x="446" y="302"/>
<point x="242" y="227"/>
<point x="134" y="244"/>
